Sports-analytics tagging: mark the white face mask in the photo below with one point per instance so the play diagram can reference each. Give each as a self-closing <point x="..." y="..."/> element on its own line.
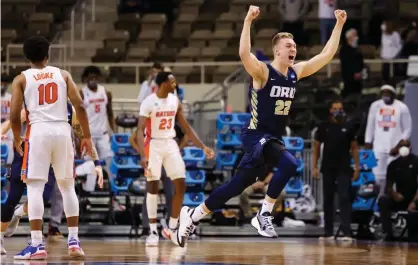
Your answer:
<point x="404" y="151"/>
<point x="383" y="27"/>
<point x="354" y="43"/>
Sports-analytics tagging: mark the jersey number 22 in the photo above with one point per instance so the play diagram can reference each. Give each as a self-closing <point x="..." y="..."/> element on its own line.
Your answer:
<point x="282" y="107"/>
<point x="48" y="93"/>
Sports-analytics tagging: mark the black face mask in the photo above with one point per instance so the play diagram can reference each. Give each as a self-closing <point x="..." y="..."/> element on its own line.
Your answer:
<point x="339" y="115"/>
<point x="388" y="100"/>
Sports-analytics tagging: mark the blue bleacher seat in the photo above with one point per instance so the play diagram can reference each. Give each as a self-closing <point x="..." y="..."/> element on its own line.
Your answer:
<point x="4" y="196"/>
<point x="294" y="144"/>
<point x="125" y="166"/>
<point x="226" y="160"/>
<point x="294" y="186"/>
<point x="193" y="199"/>
<point x="120" y="184"/>
<point x="231" y="122"/>
<point x="361" y="204"/>
<point x="367" y="159"/>
<point x="120" y="144"/>
<point x="364" y="177"/>
<point x="195" y="178"/>
<point x="4" y="153"/>
<point x="193" y="156"/>
<point x="228" y="141"/>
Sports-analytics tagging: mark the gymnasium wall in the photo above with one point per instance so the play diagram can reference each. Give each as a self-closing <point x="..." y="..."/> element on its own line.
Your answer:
<point x="237" y="94"/>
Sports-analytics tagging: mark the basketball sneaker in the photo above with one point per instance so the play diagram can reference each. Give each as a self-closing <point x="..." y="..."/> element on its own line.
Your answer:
<point x="263" y="224"/>
<point x="152" y="240"/>
<point x="186" y="225"/>
<point x="170" y="235"/>
<point x="17" y="214"/>
<point x="74" y="248"/>
<point x="32" y="252"/>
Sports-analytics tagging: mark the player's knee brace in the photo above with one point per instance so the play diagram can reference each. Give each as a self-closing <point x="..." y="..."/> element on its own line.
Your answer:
<point x="243" y="178"/>
<point x="35" y="190"/>
<point x="69" y="197"/>
<point x="152" y="205"/>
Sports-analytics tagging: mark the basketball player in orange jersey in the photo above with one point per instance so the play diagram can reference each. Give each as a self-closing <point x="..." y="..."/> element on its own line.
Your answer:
<point x="44" y="91"/>
<point x="160" y="110"/>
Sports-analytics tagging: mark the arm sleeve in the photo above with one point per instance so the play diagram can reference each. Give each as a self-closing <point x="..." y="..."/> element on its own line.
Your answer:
<point x="406" y="123"/>
<point x="370" y="128"/>
<point x="144" y="110"/>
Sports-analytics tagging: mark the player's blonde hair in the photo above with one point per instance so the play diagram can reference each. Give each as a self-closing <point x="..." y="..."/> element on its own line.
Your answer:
<point x="281" y="35"/>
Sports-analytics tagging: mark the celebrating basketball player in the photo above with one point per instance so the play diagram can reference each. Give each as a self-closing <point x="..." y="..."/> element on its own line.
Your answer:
<point x="159" y="148"/>
<point x="271" y="94"/>
<point x="44" y="91"/>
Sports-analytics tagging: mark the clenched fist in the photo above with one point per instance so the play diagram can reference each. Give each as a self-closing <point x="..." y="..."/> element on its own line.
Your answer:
<point x="341" y="16"/>
<point x="253" y="12"/>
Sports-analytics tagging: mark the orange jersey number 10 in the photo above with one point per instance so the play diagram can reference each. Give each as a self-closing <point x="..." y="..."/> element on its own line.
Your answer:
<point x="48" y="93"/>
<point x="166" y="124"/>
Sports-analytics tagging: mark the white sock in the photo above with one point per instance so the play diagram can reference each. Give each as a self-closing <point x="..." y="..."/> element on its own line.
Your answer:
<point x="73" y="232"/>
<point x="267" y="207"/>
<point x="198" y="214"/>
<point x="36" y="237"/>
<point x="153" y="228"/>
<point x="19" y="211"/>
<point x="172" y="223"/>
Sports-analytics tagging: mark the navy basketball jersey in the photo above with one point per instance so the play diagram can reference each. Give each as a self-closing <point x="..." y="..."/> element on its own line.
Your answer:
<point x="270" y="106"/>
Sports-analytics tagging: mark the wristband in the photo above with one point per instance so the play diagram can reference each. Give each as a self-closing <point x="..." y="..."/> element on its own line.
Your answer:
<point x="97" y="163"/>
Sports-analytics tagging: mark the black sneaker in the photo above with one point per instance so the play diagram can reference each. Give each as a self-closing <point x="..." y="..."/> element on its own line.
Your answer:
<point x="54" y="233"/>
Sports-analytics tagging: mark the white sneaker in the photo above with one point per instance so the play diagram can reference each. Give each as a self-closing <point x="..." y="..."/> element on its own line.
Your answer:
<point x="186" y="225"/>
<point x="326" y="238"/>
<point x="11" y="228"/>
<point x="345" y="239"/>
<point x="3" y="250"/>
<point x="290" y="223"/>
<point x="170" y="235"/>
<point x="152" y="240"/>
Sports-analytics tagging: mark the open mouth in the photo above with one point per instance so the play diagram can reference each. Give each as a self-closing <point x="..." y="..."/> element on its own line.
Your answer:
<point x="291" y="57"/>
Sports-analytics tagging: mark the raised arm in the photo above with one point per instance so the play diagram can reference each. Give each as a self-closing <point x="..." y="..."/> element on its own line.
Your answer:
<point x="307" y="68"/>
<point x="255" y="68"/>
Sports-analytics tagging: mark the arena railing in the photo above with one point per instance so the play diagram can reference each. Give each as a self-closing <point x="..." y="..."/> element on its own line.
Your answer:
<point x="142" y="66"/>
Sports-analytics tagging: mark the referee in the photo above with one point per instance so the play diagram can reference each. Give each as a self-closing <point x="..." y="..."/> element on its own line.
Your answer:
<point x="339" y="140"/>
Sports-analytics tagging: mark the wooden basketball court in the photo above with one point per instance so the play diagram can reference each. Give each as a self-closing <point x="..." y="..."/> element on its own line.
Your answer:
<point x="224" y="251"/>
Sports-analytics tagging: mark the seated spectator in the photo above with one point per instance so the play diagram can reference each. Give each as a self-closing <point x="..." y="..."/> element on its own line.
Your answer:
<point x="402" y="172"/>
<point x="352" y="64"/>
